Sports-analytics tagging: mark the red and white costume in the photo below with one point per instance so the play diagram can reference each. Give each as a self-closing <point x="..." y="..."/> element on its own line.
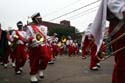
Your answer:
<point x="70" y="48"/>
<point x="55" y="48"/>
<point x="93" y="48"/>
<point x="38" y="51"/>
<point x="49" y="45"/>
<point x="19" y="52"/>
<point x="85" y="44"/>
<point x="61" y="48"/>
<point x="116" y="17"/>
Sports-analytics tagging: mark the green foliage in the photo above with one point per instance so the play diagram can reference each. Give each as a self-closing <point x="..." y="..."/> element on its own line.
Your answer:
<point x="62" y="31"/>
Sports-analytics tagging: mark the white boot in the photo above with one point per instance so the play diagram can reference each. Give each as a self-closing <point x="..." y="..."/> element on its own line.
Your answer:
<point x="41" y="75"/>
<point x="13" y="65"/>
<point x="33" y="79"/>
<point x="5" y="65"/>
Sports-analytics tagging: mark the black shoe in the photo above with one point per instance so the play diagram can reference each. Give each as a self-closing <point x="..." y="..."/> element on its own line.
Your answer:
<point x="34" y="82"/>
<point x="41" y="77"/>
<point x="5" y="67"/>
<point x="94" y="69"/>
<point x="13" y="66"/>
<point x="98" y="65"/>
<point x="21" y="70"/>
<point x="51" y="62"/>
<point x="2" y="64"/>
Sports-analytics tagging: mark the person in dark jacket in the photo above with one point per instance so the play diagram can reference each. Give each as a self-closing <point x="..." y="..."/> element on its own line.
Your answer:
<point x="3" y="46"/>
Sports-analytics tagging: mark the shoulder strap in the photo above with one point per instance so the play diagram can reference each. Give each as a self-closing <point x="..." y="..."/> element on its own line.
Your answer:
<point x="20" y="37"/>
<point x="117" y="28"/>
<point x="36" y="30"/>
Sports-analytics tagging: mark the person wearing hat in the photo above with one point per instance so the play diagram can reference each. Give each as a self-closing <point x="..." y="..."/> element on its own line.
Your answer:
<point x="55" y="48"/>
<point x="114" y="12"/>
<point x="84" y="45"/>
<point x="38" y="51"/>
<point x="69" y="44"/>
<point x="90" y="47"/>
<point x="49" y="45"/>
<point x="117" y="8"/>
<point x="18" y="38"/>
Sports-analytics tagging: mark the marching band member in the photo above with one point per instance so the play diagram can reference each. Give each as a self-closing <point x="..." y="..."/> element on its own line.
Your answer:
<point x="114" y="12"/>
<point x="8" y="51"/>
<point x="49" y="45"/>
<point x="11" y="49"/>
<point x="18" y="37"/>
<point x="61" y="48"/>
<point x="117" y="8"/>
<point x="85" y="43"/>
<point x="90" y="46"/>
<point x="93" y="60"/>
<point x="69" y="44"/>
<point x="38" y="51"/>
<point x="76" y="48"/>
<point x="55" y="45"/>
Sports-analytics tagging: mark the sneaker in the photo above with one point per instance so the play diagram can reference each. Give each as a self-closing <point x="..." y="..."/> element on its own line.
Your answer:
<point x="94" y="68"/>
<point x="18" y="72"/>
<point x="33" y="79"/>
<point x="5" y="65"/>
<point x="98" y="65"/>
<point x="51" y="62"/>
<point x="13" y="65"/>
<point x="21" y="69"/>
<point x="41" y="75"/>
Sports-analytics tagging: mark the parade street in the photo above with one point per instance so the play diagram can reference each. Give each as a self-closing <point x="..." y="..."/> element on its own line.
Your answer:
<point x="65" y="70"/>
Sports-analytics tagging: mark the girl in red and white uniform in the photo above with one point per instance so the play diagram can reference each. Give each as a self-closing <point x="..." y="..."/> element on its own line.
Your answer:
<point x="69" y="44"/>
<point x="19" y="38"/>
<point x="38" y="51"/>
<point x="55" y="48"/>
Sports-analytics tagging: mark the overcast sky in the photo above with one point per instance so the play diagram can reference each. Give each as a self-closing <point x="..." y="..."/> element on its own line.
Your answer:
<point x="15" y="10"/>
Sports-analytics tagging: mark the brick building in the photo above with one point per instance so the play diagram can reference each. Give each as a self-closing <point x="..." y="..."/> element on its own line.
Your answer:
<point x="62" y="29"/>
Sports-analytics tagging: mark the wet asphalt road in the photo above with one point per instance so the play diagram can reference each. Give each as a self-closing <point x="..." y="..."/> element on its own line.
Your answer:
<point x="65" y="70"/>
